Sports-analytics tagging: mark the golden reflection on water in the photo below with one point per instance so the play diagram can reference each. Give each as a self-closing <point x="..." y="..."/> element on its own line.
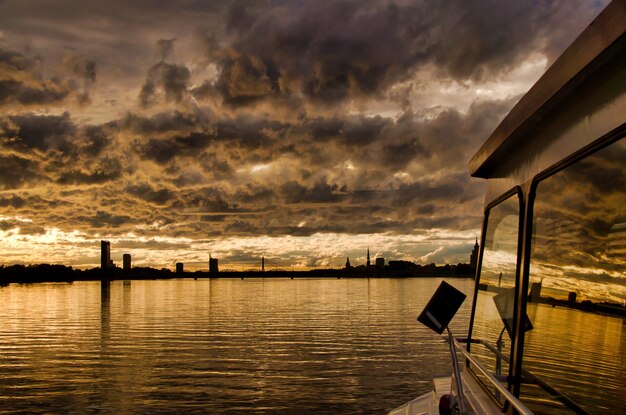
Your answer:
<point x="217" y="346"/>
<point x="579" y="353"/>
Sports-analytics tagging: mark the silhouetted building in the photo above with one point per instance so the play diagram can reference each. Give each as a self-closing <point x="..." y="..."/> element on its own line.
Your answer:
<point x="262" y="264"/>
<point x="571" y="298"/>
<point x="474" y="256"/>
<point x="213" y="268"/>
<point x="105" y="255"/>
<point x="368" y="263"/>
<point x="126" y="261"/>
<point x="401" y="266"/>
<point x="380" y="264"/>
<point x="180" y="268"/>
<point x="348" y="266"/>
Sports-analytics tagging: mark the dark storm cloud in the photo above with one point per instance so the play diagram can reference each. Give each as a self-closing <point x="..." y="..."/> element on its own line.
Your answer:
<point x="354" y="130"/>
<point x="6" y="225"/>
<point x="16" y="60"/>
<point x="251" y="195"/>
<point x="42" y="132"/>
<point x="283" y="120"/>
<point x="479" y="38"/>
<point x="164" y="122"/>
<point x="18" y="92"/>
<point x="29" y="229"/>
<point x="448" y="192"/>
<point x="165" y="47"/>
<point x="23" y="84"/>
<point x="248" y="131"/>
<point x="97" y="139"/>
<point x="13" y="201"/>
<point x="244" y="79"/>
<point x="207" y="200"/>
<point x="335" y="50"/>
<point x="164" y="150"/>
<point x="160" y="137"/>
<point x="83" y="76"/>
<point x="303" y="204"/>
<point x="104" y="219"/>
<point x="218" y="167"/>
<point x="150" y="194"/>
<point x="328" y="50"/>
<point x="165" y="81"/>
<point x="41" y="149"/>
<point x="16" y="171"/>
<point x="17" y="85"/>
<point x="103" y="171"/>
<point x="82" y="67"/>
<point x="206" y="91"/>
<point x="320" y="192"/>
<point x="401" y="153"/>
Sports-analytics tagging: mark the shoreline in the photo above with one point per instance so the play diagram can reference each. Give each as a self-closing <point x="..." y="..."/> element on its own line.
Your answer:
<point x="59" y="273"/>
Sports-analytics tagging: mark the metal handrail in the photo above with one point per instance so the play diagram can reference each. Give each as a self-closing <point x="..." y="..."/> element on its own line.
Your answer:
<point x="457" y="373"/>
<point x="529" y="377"/>
<point x="519" y="406"/>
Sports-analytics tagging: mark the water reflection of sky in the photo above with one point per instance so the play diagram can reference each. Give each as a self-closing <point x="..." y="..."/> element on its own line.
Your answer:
<point x="500" y="254"/>
<point x="495" y="262"/>
<point x="579" y="238"/>
<point x="258" y="346"/>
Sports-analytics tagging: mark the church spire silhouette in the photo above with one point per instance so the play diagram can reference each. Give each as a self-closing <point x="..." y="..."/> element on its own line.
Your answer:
<point x="368" y="257"/>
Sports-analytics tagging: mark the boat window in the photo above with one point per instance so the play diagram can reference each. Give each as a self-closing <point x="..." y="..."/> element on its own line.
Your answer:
<point x="493" y="312"/>
<point x="578" y="288"/>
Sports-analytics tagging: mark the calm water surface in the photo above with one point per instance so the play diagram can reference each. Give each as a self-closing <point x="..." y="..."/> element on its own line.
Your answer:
<point x="219" y="346"/>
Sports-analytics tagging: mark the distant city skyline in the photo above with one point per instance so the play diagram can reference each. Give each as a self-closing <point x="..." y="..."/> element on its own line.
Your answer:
<point x="301" y="131"/>
<point x="259" y="263"/>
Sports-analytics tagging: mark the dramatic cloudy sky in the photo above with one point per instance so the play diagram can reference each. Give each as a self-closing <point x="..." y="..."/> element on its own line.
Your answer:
<point x="305" y="131"/>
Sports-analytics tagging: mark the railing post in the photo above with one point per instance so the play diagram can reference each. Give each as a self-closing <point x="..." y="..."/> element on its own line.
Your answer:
<point x="457" y="373"/>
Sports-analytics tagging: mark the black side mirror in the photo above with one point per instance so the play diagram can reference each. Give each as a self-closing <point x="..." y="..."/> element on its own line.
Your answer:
<point x="441" y="307"/>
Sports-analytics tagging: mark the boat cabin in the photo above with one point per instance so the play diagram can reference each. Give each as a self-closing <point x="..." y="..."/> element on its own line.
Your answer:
<point x="549" y="302"/>
<point x="547" y="333"/>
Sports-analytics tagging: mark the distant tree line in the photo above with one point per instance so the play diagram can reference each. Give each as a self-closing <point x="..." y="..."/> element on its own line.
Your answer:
<point x="63" y="273"/>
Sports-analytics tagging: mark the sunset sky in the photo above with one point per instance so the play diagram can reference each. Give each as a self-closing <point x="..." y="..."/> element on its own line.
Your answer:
<point x="302" y="131"/>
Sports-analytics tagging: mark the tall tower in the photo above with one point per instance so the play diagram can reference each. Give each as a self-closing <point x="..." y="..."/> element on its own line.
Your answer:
<point x="213" y="266"/>
<point x="368" y="258"/>
<point x="474" y="256"/>
<point x="105" y="254"/>
<point x="262" y="264"/>
<point x="127" y="263"/>
<point x="348" y="263"/>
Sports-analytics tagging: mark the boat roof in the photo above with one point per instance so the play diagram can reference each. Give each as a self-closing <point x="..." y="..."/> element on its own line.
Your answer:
<point x="601" y="40"/>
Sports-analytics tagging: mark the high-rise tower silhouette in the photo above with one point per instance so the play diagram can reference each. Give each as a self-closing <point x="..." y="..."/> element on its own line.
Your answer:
<point x="474" y="255"/>
<point x="105" y="255"/>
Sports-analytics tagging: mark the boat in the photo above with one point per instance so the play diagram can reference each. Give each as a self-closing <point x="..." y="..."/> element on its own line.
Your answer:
<point x="547" y="330"/>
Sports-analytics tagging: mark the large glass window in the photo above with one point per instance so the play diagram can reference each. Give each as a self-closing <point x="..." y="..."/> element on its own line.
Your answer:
<point x="578" y="288"/>
<point x="494" y="300"/>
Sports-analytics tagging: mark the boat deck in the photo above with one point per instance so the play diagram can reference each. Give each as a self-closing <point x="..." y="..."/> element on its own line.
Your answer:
<point x="428" y="404"/>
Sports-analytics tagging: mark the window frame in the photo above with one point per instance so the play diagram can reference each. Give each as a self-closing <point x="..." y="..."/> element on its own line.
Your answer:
<point x="517" y="356"/>
<point x="511" y="193"/>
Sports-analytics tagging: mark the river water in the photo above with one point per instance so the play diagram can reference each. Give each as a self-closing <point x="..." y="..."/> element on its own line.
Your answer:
<point x="256" y="346"/>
